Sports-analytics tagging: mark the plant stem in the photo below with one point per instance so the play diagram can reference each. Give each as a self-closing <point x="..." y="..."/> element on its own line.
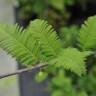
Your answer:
<point x="22" y="71"/>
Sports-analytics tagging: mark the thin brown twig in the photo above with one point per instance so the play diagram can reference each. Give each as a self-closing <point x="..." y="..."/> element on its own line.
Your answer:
<point x="22" y="71"/>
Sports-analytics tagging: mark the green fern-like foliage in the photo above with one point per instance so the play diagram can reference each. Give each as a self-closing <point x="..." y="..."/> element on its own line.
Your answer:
<point x="87" y="35"/>
<point x="73" y="60"/>
<point x="19" y="44"/>
<point x="40" y="43"/>
<point x="46" y="37"/>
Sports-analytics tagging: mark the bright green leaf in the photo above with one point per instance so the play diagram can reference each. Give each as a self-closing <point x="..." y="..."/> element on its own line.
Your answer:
<point x="73" y="60"/>
<point x="87" y="35"/>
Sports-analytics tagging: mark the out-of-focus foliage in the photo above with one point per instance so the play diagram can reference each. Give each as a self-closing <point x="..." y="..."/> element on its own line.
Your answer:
<point x="58" y="83"/>
<point x="88" y="82"/>
<point x="68" y="35"/>
<point x="52" y="10"/>
<point x="40" y="6"/>
<point x="27" y="7"/>
<point x="70" y="69"/>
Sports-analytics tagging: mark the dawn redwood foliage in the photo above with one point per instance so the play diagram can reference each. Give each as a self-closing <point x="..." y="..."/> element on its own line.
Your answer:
<point x="66" y="61"/>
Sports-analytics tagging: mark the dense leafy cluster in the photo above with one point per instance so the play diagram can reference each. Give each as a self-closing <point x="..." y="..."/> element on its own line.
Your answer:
<point x="68" y="35"/>
<point x="40" y="6"/>
<point x="52" y="10"/>
<point x="40" y="43"/>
